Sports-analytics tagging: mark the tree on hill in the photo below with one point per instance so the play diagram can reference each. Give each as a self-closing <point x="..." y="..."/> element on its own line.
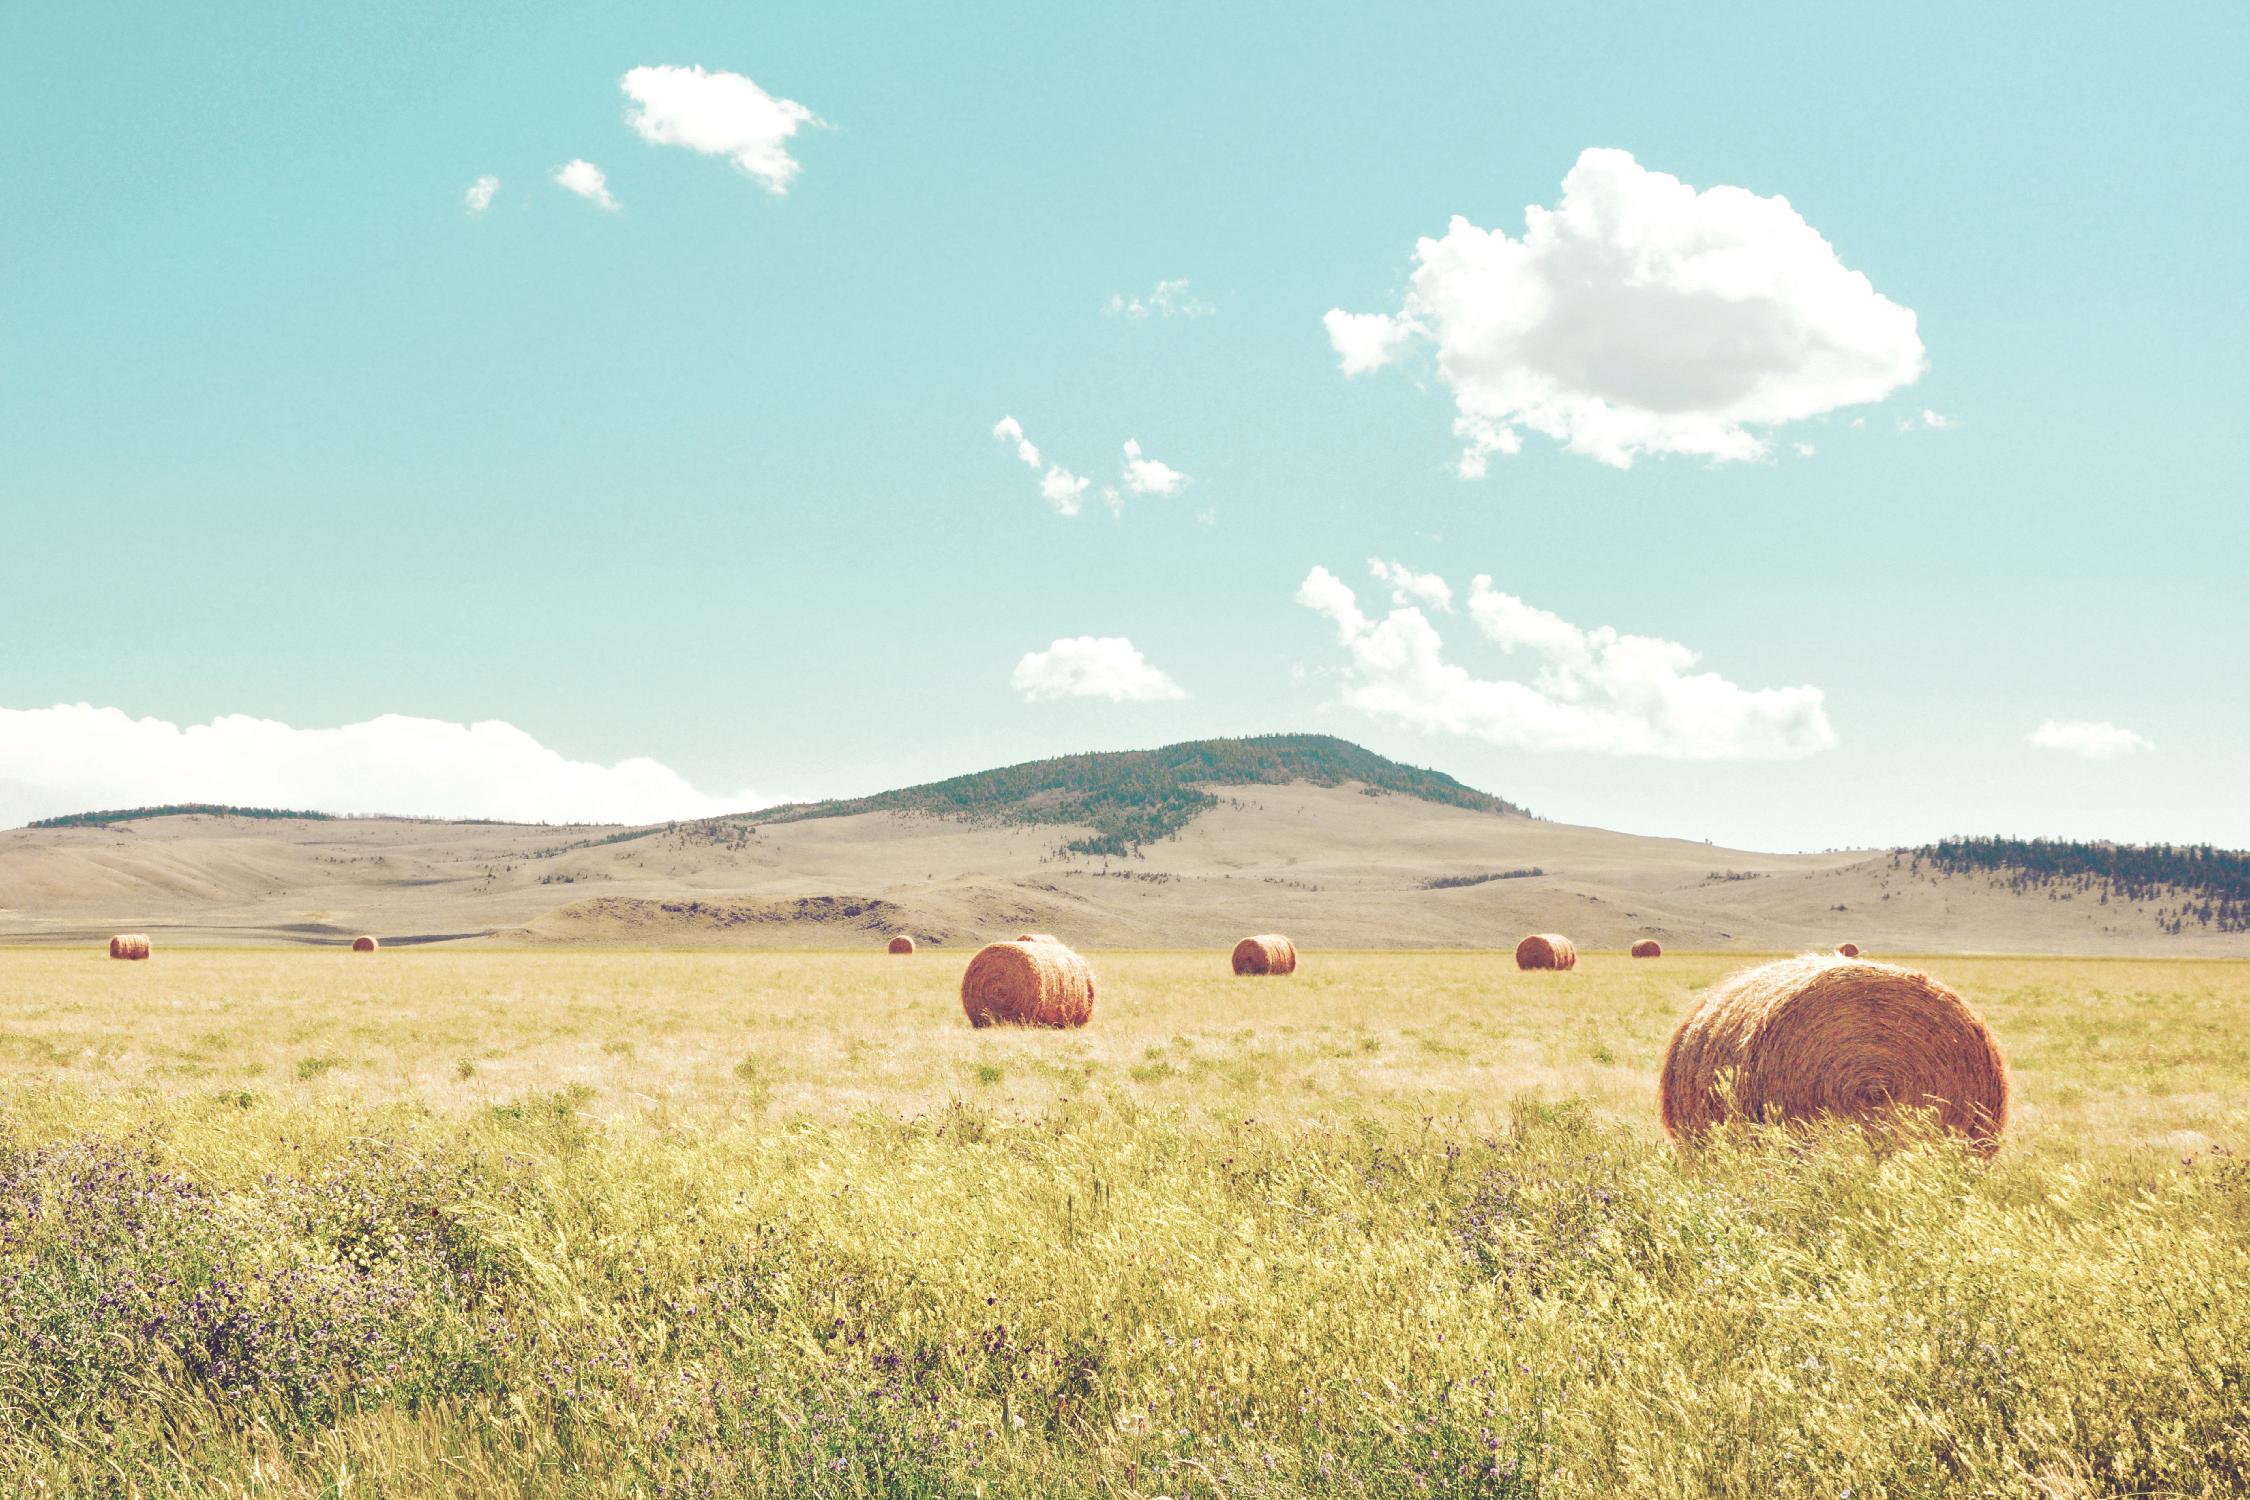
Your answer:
<point x="1134" y="797"/>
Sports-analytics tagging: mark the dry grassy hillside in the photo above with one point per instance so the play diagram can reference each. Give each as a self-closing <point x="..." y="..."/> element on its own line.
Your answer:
<point x="1333" y="865"/>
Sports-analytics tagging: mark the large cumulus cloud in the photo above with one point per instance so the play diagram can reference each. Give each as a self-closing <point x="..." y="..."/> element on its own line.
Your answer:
<point x="1640" y="316"/>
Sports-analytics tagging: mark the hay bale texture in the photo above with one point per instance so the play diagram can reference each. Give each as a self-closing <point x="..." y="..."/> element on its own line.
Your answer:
<point x="1266" y="953"/>
<point x="1847" y="950"/>
<point x="1648" y="948"/>
<point x="902" y="944"/>
<point x="364" y="944"/>
<point x="129" y="945"/>
<point x="1038" y="983"/>
<point x="1828" y="1037"/>
<point x="1546" y="950"/>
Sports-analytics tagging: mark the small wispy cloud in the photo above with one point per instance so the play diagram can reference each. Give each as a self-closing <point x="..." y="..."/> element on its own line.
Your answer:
<point x="480" y="194"/>
<point x="587" y="181"/>
<point x="1169" y="299"/>
<point x="1065" y="491"/>
<point x="2089" y="739"/>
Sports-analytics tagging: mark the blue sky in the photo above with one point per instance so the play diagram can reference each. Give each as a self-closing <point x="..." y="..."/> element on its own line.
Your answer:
<point x="709" y="478"/>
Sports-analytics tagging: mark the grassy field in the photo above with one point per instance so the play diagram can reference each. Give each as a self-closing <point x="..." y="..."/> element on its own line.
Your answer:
<point x="589" y="1223"/>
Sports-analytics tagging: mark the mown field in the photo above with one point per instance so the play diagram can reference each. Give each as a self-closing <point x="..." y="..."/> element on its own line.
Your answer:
<point x="613" y="1224"/>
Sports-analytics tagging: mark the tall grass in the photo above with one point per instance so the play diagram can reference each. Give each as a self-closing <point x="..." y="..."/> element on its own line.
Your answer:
<point x="374" y="1280"/>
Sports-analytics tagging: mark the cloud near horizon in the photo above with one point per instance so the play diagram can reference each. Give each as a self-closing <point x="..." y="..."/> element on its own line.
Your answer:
<point x="1595" y="691"/>
<point x="79" y="758"/>
<point x="1640" y="316"/>
<point x="718" y="114"/>
<point x="1087" y="666"/>
<point x="2089" y="739"/>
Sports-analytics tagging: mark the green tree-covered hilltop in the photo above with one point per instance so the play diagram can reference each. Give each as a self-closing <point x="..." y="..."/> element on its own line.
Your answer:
<point x="2209" y="887"/>
<point x="1135" y="797"/>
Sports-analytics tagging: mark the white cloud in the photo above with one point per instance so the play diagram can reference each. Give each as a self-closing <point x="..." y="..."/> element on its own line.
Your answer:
<point x="1935" y="420"/>
<point x="1066" y="492"/>
<point x="1641" y="316"/>
<point x="1366" y="341"/>
<point x="480" y="194"/>
<point x="1410" y="587"/>
<point x="1804" y="450"/>
<point x="2093" y="739"/>
<point x="1087" y="666"/>
<point x="1594" y="690"/>
<point x="1060" y="488"/>
<point x="1063" y="490"/>
<point x="75" y="757"/>
<point x="586" y="180"/>
<point x="1145" y="476"/>
<point x="1009" y="430"/>
<point x="1170" y="299"/>
<point x="718" y="114"/>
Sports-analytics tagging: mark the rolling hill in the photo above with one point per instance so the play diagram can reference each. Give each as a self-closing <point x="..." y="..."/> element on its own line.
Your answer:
<point x="1189" y="844"/>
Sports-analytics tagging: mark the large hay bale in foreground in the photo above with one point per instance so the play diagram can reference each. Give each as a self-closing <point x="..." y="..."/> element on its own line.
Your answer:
<point x="1847" y="950"/>
<point x="1266" y="953"/>
<point x="1825" y="1036"/>
<point x="129" y="945"/>
<point x="902" y="944"/>
<point x="1648" y="948"/>
<point x="364" y="944"/>
<point x="1546" y="950"/>
<point x="1028" y="984"/>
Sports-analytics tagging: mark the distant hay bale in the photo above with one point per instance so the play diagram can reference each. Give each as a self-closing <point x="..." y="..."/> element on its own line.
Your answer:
<point x="1823" y="1036"/>
<point x="1648" y="948"/>
<point x="1546" y="950"/>
<point x="1848" y="950"/>
<point x="902" y="944"/>
<point x="1267" y="953"/>
<point x="1037" y="937"/>
<point x="129" y="945"/>
<point x="1037" y="983"/>
<point x="364" y="944"/>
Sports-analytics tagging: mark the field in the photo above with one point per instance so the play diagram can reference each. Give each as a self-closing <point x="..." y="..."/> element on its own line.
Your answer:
<point x="486" y="1223"/>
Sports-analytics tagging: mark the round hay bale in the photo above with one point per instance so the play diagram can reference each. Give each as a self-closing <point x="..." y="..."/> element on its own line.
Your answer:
<point x="129" y="945"/>
<point x="1267" y="953"/>
<point x="902" y="944"/>
<point x="1824" y="1036"/>
<point x="1027" y="984"/>
<point x="1648" y="948"/>
<point x="364" y="944"/>
<point x="1848" y="950"/>
<point x="1546" y="950"/>
<point x="1037" y="937"/>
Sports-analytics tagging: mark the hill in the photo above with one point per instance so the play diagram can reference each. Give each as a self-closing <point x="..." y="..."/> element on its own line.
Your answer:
<point x="1190" y="844"/>
<point x="1131" y="798"/>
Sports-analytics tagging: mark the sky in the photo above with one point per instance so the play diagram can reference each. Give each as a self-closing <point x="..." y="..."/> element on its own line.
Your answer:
<point x="1798" y="428"/>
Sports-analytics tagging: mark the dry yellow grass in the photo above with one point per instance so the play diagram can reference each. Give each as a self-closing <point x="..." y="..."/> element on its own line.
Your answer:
<point x="518" y="1225"/>
<point x="2104" y="1051"/>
